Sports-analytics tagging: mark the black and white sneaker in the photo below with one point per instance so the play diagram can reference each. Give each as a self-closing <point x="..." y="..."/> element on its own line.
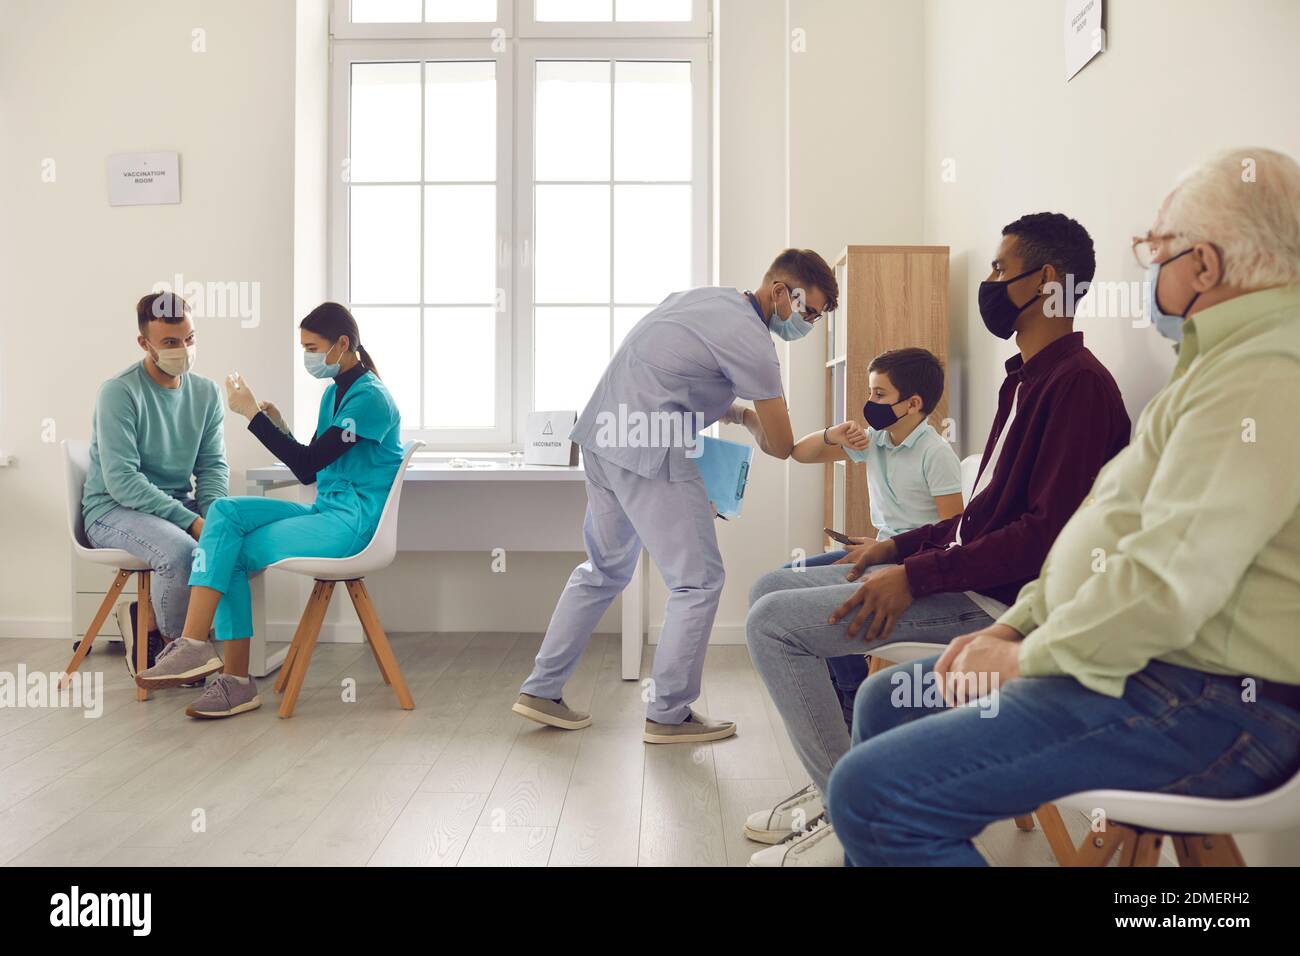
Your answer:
<point x="126" y="623"/>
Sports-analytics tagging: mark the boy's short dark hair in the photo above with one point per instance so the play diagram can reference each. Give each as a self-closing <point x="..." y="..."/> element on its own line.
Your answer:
<point x="160" y="307"/>
<point x="810" y="271"/>
<point x="1044" y="237"/>
<point x="913" y="372"/>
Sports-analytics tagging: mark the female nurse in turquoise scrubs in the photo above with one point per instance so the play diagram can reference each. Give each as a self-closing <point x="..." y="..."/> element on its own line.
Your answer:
<point x="352" y="459"/>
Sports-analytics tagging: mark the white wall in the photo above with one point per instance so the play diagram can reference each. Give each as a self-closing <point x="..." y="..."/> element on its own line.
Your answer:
<point x="81" y="80"/>
<point x="855" y="133"/>
<point x="1180" y="80"/>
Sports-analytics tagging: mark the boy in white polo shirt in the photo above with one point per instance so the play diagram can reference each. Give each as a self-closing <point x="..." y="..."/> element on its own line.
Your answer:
<point x="913" y="474"/>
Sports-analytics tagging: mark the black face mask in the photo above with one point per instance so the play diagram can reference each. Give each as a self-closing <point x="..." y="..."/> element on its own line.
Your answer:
<point x="996" y="308"/>
<point x="879" y="416"/>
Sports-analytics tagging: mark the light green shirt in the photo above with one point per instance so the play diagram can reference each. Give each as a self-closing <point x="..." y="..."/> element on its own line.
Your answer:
<point x="146" y="443"/>
<point x="1187" y="549"/>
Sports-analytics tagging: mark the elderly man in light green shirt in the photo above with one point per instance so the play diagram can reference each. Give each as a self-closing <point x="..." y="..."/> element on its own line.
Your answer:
<point x="1159" y="649"/>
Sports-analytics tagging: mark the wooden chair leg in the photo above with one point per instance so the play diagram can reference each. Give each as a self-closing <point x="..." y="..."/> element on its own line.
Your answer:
<point x="1146" y="851"/>
<point x="143" y="625"/>
<point x="283" y="677"/>
<point x="92" y="632"/>
<point x="302" y="660"/>
<point x="877" y="663"/>
<point x="1025" y="823"/>
<point x="1097" y="848"/>
<point x="383" y="651"/>
<point x="1058" y="837"/>
<point x="1218" y="849"/>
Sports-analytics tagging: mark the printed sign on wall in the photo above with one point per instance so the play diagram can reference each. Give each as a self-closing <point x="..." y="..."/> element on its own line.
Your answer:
<point x="144" y="179"/>
<point x="1085" y="36"/>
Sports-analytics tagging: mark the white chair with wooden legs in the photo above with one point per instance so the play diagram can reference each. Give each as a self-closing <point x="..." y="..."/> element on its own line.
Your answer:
<point x="1048" y="816"/>
<point x="76" y="462"/>
<point x="1136" y="824"/>
<point x="328" y="572"/>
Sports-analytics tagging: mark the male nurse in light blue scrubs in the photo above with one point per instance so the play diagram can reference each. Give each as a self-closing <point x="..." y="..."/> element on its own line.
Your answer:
<point x="679" y="370"/>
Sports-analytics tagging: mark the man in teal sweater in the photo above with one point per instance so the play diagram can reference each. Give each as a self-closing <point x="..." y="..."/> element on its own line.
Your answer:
<point x="157" y="427"/>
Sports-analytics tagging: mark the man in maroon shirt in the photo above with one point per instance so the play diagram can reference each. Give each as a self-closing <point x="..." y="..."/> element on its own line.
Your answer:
<point x="1060" y="419"/>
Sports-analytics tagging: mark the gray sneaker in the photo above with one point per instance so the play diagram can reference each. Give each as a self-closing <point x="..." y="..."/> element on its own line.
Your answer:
<point x="180" y="662"/>
<point x="224" y="697"/>
<point x="696" y="729"/>
<point x="553" y="713"/>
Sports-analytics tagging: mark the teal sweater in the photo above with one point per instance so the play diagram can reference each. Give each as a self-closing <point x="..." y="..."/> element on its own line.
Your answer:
<point x="146" y="443"/>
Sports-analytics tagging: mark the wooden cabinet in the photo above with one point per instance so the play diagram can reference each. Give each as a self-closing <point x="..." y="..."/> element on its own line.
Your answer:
<point x="890" y="297"/>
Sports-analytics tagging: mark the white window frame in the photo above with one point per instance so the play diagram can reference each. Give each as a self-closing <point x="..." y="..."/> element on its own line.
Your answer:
<point x="698" y="26"/>
<point x="696" y="52"/>
<point x="516" y="62"/>
<point x="342" y="27"/>
<point x="344" y="57"/>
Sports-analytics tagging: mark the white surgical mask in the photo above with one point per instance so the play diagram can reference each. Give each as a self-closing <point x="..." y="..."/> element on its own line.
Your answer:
<point x="791" y="329"/>
<point x="316" y="366"/>
<point x="175" y="361"/>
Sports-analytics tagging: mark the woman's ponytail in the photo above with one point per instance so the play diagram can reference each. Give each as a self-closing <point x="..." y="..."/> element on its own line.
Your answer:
<point x="367" y="361"/>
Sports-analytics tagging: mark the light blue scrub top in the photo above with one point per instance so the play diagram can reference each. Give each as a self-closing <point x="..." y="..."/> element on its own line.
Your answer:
<point x="356" y="484"/>
<point x="697" y="351"/>
<point x="903" y="480"/>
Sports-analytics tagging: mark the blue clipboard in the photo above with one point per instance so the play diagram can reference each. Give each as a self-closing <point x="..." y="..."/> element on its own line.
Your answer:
<point x="724" y="466"/>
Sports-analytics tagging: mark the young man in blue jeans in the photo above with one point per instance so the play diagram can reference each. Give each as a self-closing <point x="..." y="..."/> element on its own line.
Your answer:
<point x="157" y="428"/>
<point x="1157" y="649"/>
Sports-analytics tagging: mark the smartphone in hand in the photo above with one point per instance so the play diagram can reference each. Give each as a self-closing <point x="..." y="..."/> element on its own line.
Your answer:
<point x="840" y="537"/>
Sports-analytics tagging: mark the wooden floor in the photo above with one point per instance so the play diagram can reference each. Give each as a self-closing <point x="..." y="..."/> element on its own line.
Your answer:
<point x="460" y="780"/>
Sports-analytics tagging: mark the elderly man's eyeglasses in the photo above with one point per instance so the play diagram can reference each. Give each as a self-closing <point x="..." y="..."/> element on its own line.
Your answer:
<point x="1150" y="249"/>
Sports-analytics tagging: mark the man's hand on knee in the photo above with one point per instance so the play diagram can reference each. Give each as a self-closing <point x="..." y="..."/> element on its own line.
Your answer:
<point x="991" y="655"/>
<point x="882" y="597"/>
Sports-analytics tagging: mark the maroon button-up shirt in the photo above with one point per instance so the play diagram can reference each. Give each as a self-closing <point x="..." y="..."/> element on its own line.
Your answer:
<point x="1070" y="420"/>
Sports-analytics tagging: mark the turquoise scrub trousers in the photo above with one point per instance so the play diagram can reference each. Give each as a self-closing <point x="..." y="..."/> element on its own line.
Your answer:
<point x="241" y="536"/>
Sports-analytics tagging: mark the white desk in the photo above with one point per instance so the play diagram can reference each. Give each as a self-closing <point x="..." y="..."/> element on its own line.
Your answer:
<point x="529" y="508"/>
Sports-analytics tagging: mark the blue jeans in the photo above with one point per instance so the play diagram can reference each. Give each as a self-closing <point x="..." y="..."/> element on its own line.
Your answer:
<point x="790" y="637"/>
<point x="167" y="548"/>
<point x="921" y="782"/>
<point x="848" y="672"/>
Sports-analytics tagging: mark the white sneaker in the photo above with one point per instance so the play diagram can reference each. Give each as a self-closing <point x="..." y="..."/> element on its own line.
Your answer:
<point x="817" y="847"/>
<point x="791" y="815"/>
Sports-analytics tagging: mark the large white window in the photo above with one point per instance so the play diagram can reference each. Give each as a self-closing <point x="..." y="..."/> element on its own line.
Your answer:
<point x="518" y="183"/>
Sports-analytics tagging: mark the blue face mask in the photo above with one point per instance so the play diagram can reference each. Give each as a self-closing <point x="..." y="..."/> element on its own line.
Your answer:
<point x="317" y="367"/>
<point x="792" y="329"/>
<point x="1170" y="326"/>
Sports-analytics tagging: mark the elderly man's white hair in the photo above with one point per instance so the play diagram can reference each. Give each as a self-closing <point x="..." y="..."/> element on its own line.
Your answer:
<point x="1247" y="203"/>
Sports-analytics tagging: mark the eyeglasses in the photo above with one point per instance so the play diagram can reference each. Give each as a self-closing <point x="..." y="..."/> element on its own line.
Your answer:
<point x="811" y="316"/>
<point x="1146" y="248"/>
